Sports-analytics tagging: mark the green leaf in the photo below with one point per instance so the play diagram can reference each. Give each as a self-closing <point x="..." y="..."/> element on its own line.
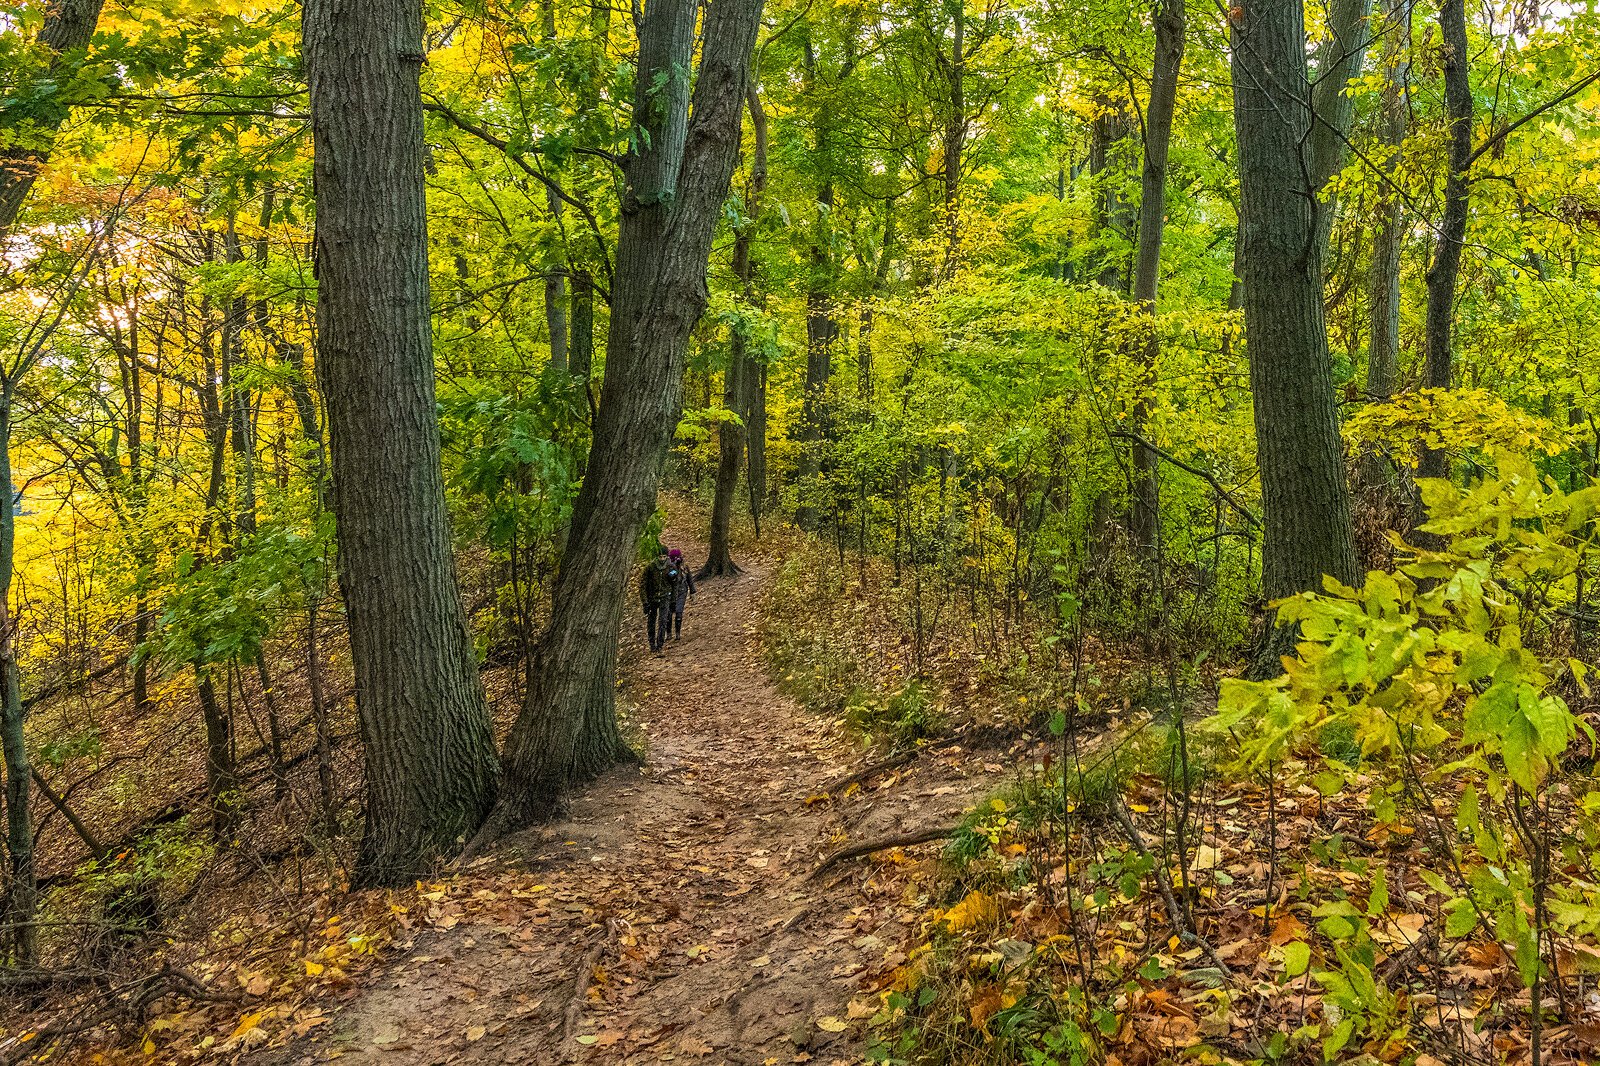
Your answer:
<point x="1296" y="958"/>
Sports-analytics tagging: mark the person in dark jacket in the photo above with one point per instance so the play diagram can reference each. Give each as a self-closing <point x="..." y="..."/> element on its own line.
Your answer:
<point x="655" y="595"/>
<point x="682" y="581"/>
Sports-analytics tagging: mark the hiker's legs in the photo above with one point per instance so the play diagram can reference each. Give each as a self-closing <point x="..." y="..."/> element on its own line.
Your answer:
<point x="656" y="624"/>
<point x="677" y="619"/>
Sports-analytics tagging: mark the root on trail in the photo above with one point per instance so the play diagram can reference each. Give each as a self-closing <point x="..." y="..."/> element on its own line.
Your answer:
<point x="856" y="851"/>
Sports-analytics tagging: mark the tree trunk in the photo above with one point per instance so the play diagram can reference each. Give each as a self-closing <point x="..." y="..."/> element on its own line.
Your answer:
<point x="738" y="385"/>
<point x="1383" y="350"/>
<point x="430" y="762"/>
<point x="23" y="897"/>
<point x="676" y="185"/>
<point x="580" y="362"/>
<point x="955" y="136"/>
<point x="68" y="26"/>
<point x="1170" y="24"/>
<point x="222" y="778"/>
<point x="1305" y="503"/>
<point x="1106" y="133"/>
<point x="1338" y="60"/>
<point x="822" y="328"/>
<point x="1445" y="269"/>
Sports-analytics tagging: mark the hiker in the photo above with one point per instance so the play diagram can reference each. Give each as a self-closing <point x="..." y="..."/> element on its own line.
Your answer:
<point x="682" y="581"/>
<point x="655" y="594"/>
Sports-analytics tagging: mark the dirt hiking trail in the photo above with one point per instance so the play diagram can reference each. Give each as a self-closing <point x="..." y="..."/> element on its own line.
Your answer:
<point x="671" y="917"/>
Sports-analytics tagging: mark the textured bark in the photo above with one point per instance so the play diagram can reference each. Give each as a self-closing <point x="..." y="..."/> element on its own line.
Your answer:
<point x="742" y="374"/>
<point x="676" y="185"/>
<point x="66" y="32"/>
<point x="1305" y="503"/>
<point x="430" y="764"/>
<point x="1337" y="60"/>
<point x="1170" y="23"/>
<point x="1445" y="269"/>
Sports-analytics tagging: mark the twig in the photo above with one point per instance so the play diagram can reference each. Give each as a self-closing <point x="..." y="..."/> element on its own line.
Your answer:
<point x="1180" y="927"/>
<point x="1227" y="496"/>
<point x="856" y="851"/>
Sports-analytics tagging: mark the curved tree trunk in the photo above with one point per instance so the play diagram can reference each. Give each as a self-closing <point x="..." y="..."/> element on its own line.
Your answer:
<point x="1305" y="502"/>
<point x="430" y="762"/>
<point x="567" y="729"/>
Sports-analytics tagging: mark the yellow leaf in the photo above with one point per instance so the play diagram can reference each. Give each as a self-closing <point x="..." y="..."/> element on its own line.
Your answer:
<point x="475" y="1033"/>
<point x="313" y="969"/>
<point x="247" y="1023"/>
<point x="831" y="1024"/>
<point x="975" y="910"/>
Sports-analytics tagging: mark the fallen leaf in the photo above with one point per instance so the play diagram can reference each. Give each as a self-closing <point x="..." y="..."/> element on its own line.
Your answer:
<point x="830" y="1024"/>
<point x="475" y="1033"/>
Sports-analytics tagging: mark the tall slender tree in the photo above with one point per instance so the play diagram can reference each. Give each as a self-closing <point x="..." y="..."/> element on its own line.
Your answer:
<point x="743" y="373"/>
<point x="677" y="177"/>
<point x="430" y="762"/>
<point x="1170" y="24"/>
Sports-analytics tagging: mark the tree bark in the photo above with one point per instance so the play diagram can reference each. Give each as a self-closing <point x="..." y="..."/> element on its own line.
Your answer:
<point x="738" y="384"/>
<point x="676" y="184"/>
<point x="1338" y="59"/>
<point x="1445" y="269"/>
<point x="1170" y="24"/>
<point x="1305" y="502"/>
<point x="429" y="751"/>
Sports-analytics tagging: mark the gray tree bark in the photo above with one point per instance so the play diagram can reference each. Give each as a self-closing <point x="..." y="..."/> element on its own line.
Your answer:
<point x="1338" y="59"/>
<point x="430" y="762"/>
<point x="1305" y="502"/>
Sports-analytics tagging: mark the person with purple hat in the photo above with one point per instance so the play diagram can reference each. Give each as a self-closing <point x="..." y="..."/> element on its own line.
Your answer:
<point x="681" y="580"/>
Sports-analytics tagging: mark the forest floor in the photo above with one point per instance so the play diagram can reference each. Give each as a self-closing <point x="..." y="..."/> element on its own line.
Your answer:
<point x="673" y="916"/>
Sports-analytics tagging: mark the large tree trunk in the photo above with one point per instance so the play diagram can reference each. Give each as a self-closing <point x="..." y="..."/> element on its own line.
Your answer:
<point x="739" y="383"/>
<point x="1170" y="22"/>
<point x="677" y="183"/>
<point x="1304" y="498"/>
<point x="430" y="762"/>
<point x="1445" y="269"/>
